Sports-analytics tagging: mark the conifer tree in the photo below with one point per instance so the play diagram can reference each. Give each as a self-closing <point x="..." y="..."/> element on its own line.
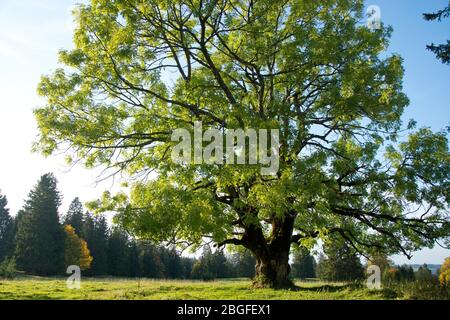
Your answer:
<point x="118" y="253"/>
<point x="6" y="229"/>
<point x="74" y="216"/>
<point x="40" y="237"/>
<point x="303" y="265"/>
<point x="340" y="263"/>
<point x="95" y="232"/>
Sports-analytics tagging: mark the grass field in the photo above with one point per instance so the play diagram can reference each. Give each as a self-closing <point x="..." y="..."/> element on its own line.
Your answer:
<point x="50" y="288"/>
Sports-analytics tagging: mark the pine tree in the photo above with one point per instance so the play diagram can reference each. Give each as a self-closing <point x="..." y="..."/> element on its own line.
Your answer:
<point x="188" y="264"/>
<point x="76" y="250"/>
<point x="6" y="230"/>
<point x="172" y="263"/>
<point x="74" y="216"/>
<point x="118" y="253"/>
<point x="442" y="51"/>
<point x="340" y="263"/>
<point x="134" y="263"/>
<point x="220" y="267"/>
<point x="424" y="275"/>
<point x="211" y="265"/>
<point x="40" y="237"/>
<point x="243" y="264"/>
<point x="406" y="273"/>
<point x="151" y="262"/>
<point x="303" y="265"/>
<point x="95" y="232"/>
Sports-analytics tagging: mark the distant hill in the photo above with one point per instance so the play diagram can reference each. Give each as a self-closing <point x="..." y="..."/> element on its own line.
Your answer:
<point x="434" y="268"/>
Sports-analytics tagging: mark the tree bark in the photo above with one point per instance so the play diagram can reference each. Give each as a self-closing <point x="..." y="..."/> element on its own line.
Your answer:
<point x="272" y="270"/>
<point x="272" y="256"/>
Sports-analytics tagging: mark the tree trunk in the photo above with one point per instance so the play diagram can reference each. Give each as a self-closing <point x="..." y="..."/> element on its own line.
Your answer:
<point x="272" y="270"/>
<point x="272" y="256"/>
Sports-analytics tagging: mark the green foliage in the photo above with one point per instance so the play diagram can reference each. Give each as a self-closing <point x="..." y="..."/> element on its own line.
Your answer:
<point x="417" y="290"/>
<point x="424" y="275"/>
<point x="151" y="262"/>
<point x="172" y="263"/>
<point x="8" y="269"/>
<point x="403" y="283"/>
<point x="211" y="265"/>
<point x="39" y="247"/>
<point x="401" y="274"/>
<point x="303" y="264"/>
<point x="118" y="253"/>
<point x="74" y="216"/>
<point x="243" y="263"/>
<point x="7" y="230"/>
<point x="340" y="263"/>
<point x="308" y="68"/>
<point x="95" y="232"/>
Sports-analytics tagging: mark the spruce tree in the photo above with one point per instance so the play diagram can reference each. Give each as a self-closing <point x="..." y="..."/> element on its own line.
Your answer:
<point x="172" y="263"/>
<point x="74" y="216"/>
<point x="40" y="238"/>
<point x="442" y="51"/>
<point x="243" y="263"/>
<point x="151" y="262"/>
<point x="118" y="253"/>
<point x="134" y="262"/>
<point x="6" y="229"/>
<point x="95" y="232"/>
<point x="303" y="265"/>
<point x="340" y="264"/>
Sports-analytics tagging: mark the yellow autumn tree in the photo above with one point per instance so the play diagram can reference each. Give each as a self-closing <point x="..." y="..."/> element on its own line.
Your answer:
<point x="76" y="250"/>
<point x="444" y="273"/>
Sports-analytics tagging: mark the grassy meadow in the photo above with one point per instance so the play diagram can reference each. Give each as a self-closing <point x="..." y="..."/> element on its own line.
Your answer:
<point x="37" y="288"/>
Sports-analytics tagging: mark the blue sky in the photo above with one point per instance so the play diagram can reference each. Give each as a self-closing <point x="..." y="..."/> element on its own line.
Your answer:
<point x="32" y="31"/>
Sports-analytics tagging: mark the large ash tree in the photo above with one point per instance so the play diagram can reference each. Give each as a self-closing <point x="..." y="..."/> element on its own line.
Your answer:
<point x="312" y="69"/>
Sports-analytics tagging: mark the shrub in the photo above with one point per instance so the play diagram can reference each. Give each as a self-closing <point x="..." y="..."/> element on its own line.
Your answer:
<point x="8" y="269"/>
<point x="420" y="290"/>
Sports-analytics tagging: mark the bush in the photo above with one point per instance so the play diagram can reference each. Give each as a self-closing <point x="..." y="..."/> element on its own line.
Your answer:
<point x="8" y="269"/>
<point x="420" y="290"/>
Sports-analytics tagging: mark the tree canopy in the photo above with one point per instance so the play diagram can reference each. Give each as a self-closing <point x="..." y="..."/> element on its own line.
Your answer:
<point x="141" y="69"/>
<point x="340" y="262"/>
<point x="303" y="264"/>
<point x="74" y="216"/>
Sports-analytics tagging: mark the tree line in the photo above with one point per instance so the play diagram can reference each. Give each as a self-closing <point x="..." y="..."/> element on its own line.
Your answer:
<point x="39" y="241"/>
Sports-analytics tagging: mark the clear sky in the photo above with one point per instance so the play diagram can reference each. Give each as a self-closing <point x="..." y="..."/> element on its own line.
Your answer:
<point x="32" y="32"/>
